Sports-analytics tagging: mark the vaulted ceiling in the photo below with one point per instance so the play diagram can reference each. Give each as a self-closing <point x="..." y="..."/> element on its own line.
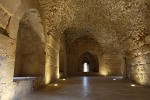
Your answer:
<point x="108" y="22"/>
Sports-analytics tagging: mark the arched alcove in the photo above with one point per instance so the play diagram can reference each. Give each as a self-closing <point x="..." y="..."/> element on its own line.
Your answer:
<point x="30" y="56"/>
<point x="88" y="62"/>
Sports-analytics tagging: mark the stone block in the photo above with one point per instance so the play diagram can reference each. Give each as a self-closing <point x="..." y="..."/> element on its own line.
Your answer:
<point x="147" y="39"/>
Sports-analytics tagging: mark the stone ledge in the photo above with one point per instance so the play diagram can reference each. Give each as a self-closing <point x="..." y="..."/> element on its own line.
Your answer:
<point x="24" y="78"/>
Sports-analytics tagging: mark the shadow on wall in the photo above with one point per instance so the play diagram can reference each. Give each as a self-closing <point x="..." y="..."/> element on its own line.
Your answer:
<point x="4" y="32"/>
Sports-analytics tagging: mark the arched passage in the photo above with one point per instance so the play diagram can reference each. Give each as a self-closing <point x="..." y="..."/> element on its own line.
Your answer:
<point x="88" y="62"/>
<point x="30" y="56"/>
<point x="80" y="46"/>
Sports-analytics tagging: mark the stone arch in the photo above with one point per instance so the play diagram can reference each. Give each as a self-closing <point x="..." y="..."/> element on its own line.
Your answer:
<point x="30" y="55"/>
<point x="80" y="46"/>
<point x="91" y="59"/>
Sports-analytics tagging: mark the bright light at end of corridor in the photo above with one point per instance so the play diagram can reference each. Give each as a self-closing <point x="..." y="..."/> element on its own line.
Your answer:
<point x="114" y="79"/>
<point x="85" y="67"/>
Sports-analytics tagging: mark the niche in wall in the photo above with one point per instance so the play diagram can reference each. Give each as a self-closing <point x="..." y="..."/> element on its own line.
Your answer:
<point x="30" y="57"/>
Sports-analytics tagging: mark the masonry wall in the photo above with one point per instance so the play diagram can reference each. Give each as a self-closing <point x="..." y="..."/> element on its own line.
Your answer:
<point x="63" y="57"/>
<point x="11" y="12"/>
<point x="52" y="60"/>
<point x="30" y="48"/>
<point x="54" y="23"/>
<point x="57" y="17"/>
<point x="19" y="88"/>
<point x="138" y="60"/>
<point x="112" y="65"/>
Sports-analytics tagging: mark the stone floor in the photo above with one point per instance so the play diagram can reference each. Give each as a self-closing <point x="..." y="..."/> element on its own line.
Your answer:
<point x="91" y="88"/>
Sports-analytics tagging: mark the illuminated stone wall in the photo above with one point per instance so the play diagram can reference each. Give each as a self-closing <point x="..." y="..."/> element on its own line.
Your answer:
<point x="11" y="13"/>
<point x="56" y="17"/>
<point x="119" y="27"/>
<point x="19" y="88"/>
<point x="52" y="60"/>
<point x="138" y="60"/>
<point x="112" y="64"/>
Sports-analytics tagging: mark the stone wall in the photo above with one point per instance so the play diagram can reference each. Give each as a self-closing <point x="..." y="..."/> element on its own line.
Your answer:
<point x="10" y="90"/>
<point x="138" y="60"/>
<point x="11" y="13"/>
<point x="63" y="56"/>
<point x="110" y="24"/>
<point x="112" y="64"/>
<point x="52" y="60"/>
<point x="57" y="17"/>
<point x="19" y="88"/>
<point x="30" y="56"/>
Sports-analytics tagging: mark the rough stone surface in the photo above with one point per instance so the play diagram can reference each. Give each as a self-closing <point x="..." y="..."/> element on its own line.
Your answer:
<point x="30" y="57"/>
<point x="4" y="19"/>
<point x="108" y="21"/>
<point x="10" y="15"/>
<point x="20" y="88"/>
<point x="67" y="28"/>
<point x="63" y="57"/>
<point x="138" y="64"/>
<point x="7" y="50"/>
<point x="111" y="65"/>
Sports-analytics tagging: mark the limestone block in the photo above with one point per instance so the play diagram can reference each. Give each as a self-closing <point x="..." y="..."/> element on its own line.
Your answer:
<point x="7" y="56"/>
<point x="140" y="51"/>
<point x="126" y="44"/>
<point x="147" y="58"/>
<point x="147" y="39"/>
<point x="4" y="18"/>
<point x="140" y="74"/>
<point x="10" y="6"/>
<point x="146" y="49"/>
<point x="13" y="27"/>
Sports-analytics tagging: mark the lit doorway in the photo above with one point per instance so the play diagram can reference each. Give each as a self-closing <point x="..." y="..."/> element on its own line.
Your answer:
<point x="88" y="63"/>
<point x="85" y="67"/>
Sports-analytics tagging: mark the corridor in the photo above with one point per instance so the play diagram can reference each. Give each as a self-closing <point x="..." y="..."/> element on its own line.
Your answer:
<point x="91" y="88"/>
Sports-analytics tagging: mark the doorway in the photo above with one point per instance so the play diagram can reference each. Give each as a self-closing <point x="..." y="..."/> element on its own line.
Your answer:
<point x="88" y="63"/>
<point x="85" y="67"/>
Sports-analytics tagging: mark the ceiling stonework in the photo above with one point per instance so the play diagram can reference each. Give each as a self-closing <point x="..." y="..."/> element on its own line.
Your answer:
<point x="109" y="22"/>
